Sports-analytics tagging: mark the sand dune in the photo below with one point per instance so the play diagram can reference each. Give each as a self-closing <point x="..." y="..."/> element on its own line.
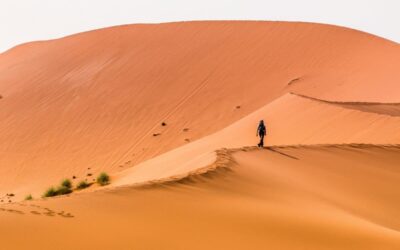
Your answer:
<point x="313" y="197"/>
<point x="292" y="120"/>
<point x="77" y="103"/>
<point x="170" y="111"/>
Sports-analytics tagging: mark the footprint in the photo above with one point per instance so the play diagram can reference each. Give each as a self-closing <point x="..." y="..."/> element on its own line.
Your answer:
<point x="48" y="210"/>
<point x="67" y="215"/>
<point x="15" y="211"/>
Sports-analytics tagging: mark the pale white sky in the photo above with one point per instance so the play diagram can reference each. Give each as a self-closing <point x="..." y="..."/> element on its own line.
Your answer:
<point x="28" y="20"/>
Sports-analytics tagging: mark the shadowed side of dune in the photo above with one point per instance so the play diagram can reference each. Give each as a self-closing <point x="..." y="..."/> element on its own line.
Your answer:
<point x="319" y="197"/>
<point x="96" y="101"/>
<point x="171" y="111"/>
<point x="391" y="109"/>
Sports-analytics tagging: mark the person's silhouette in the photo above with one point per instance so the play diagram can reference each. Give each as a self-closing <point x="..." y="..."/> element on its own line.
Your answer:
<point x="261" y="131"/>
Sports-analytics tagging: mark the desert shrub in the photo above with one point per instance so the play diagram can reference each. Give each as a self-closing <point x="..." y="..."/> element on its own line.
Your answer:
<point x="28" y="197"/>
<point x="103" y="179"/>
<point x="64" y="188"/>
<point x="66" y="183"/>
<point x="82" y="185"/>
<point x="50" y="192"/>
<point x="61" y="190"/>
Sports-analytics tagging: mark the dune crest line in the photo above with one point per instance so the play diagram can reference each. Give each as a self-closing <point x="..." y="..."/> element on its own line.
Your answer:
<point x="381" y="108"/>
<point x="224" y="162"/>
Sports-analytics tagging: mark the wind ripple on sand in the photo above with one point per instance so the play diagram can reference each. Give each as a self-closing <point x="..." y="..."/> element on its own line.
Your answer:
<point x="315" y="196"/>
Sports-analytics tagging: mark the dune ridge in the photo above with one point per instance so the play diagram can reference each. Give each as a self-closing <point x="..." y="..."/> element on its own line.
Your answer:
<point x="391" y="109"/>
<point x="267" y="207"/>
<point x="170" y="112"/>
<point x="224" y="161"/>
<point x="97" y="104"/>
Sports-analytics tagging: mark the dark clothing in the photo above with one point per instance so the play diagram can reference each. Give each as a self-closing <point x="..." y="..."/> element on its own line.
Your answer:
<point x="261" y="144"/>
<point x="261" y="131"/>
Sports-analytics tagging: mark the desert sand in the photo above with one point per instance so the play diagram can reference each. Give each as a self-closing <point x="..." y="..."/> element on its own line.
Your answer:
<point x="170" y="111"/>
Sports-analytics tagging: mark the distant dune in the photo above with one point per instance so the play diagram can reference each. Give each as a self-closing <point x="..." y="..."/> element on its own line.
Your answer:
<point x="171" y="111"/>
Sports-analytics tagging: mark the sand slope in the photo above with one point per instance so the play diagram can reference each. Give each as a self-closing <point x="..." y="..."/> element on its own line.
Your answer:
<point x="317" y="197"/>
<point x="96" y="101"/>
<point x="292" y="120"/>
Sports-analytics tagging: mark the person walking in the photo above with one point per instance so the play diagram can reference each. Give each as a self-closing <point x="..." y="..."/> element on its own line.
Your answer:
<point x="261" y="132"/>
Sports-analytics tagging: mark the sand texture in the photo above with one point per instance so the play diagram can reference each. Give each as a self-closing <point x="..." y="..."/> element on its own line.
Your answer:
<point x="170" y="111"/>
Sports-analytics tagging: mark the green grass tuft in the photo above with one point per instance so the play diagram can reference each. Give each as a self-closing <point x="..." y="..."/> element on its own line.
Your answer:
<point x="103" y="179"/>
<point x="66" y="183"/>
<point x="50" y="192"/>
<point x="28" y="197"/>
<point x="64" y="188"/>
<point x="82" y="185"/>
<point x="61" y="190"/>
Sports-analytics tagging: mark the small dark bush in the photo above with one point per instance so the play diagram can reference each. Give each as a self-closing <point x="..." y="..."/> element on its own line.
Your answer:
<point x="64" y="188"/>
<point x="83" y="185"/>
<point x="66" y="183"/>
<point x="50" y="192"/>
<point x="28" y="197"/>
<point x="103" y="179"/>
<point x="61" y="190"/>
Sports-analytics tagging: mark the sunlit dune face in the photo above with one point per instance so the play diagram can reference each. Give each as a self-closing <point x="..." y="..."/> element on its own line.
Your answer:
<point x="147" y="135"/>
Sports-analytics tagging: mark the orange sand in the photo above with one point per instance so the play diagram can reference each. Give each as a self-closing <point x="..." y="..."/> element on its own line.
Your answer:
<point x="95" y="102"/>
<point x="312" y="197"/>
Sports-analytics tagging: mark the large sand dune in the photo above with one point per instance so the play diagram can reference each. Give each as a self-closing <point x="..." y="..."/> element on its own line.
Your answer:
<point x="313" y="197"/>
<point x="97" y="101"/>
